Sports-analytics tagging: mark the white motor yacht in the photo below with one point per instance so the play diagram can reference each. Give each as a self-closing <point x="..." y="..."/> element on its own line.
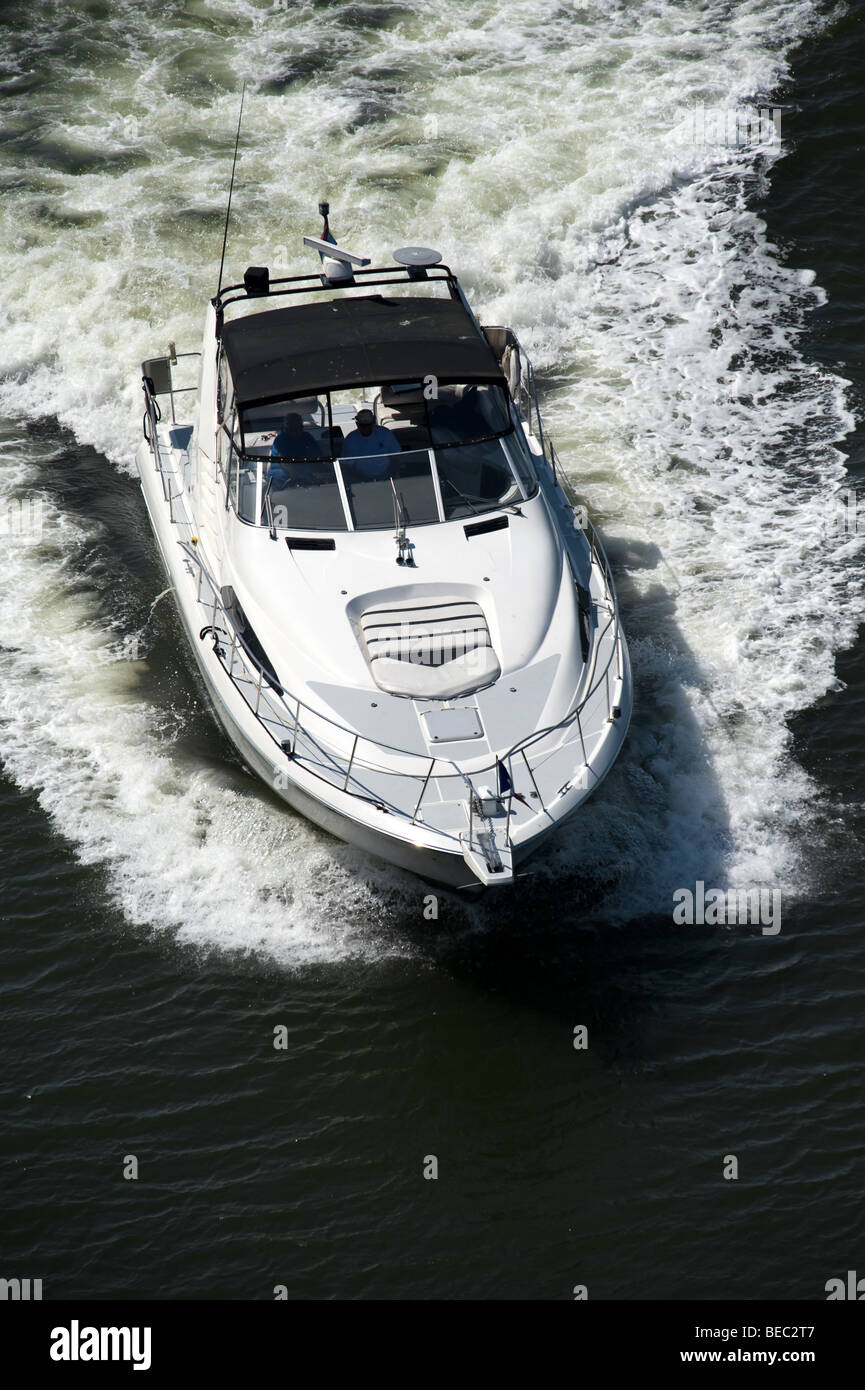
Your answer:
<point x="405" y="623"/>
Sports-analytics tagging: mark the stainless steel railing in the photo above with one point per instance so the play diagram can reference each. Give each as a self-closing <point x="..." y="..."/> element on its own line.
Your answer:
<point x="298" y="730"/>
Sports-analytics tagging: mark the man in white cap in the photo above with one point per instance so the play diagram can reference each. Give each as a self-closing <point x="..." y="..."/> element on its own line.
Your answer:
<point x="371" y="442"/>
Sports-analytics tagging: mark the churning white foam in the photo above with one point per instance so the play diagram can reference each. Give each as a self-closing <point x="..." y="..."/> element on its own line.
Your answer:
<point x="185" y="845"/>
<point x="711" y="449"/>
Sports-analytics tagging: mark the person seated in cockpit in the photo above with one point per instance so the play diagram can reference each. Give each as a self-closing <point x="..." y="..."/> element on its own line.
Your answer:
<point x="292" y="442"/>
<point x="370" y="445"/>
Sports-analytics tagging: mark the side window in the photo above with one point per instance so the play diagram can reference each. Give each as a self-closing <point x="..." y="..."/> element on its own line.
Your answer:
<point x="521" y="460"/>
<point x="225" y="399"/>
<point x="233" y="471"/>
<point x="227" y="452"/>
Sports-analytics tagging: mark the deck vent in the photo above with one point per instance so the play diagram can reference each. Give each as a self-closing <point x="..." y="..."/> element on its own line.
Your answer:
<point x="480" y="528"/>
<point x="310" y="542"/>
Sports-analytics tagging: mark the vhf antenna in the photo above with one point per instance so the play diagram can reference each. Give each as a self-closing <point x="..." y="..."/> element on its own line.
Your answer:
<point x="230" y="189"/>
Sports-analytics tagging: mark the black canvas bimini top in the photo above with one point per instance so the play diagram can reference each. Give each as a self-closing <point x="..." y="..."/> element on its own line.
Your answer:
<point x="351" y="342"/>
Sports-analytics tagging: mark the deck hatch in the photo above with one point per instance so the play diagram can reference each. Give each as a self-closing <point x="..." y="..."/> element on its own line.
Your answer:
<point x="452" y="725"/>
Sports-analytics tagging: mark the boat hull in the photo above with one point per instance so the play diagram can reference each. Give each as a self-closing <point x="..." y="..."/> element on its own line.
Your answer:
<point x="455" y="819"/>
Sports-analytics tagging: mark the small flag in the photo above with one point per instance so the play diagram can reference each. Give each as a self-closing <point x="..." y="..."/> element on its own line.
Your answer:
<point x="506" y="786"/>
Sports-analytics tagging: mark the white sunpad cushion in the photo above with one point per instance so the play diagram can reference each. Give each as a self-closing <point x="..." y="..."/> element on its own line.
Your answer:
<point x="460" y="677"/>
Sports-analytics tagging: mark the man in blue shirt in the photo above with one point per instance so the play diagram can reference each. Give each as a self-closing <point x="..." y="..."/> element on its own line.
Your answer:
<point x="292" y="442"/>
<point x="370" y="445"/>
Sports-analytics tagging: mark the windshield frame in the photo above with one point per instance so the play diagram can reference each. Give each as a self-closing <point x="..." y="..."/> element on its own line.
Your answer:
<point x="253" y="459"/>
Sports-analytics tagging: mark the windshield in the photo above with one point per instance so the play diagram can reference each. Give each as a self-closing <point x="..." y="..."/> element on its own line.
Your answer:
<point x="398" y="454"/>
<point x="475" y="478"/>
<point x="397" y="490"/>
